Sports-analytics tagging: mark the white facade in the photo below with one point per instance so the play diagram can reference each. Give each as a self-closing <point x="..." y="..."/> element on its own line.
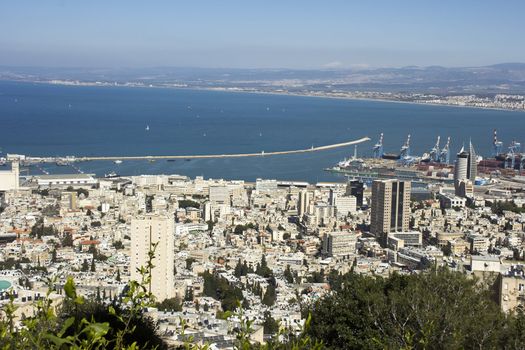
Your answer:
<point x="145" y="232"/>
<point x="303" y="203"/>
<point x="345" y="205"/>
<point x="181" y="229"/>
<point x="9" y="179"/>
<point x="219" y="195"/>
<point x="339" y="244"/>
<point x="265" y="185"/>
<point x="65" y="180"/>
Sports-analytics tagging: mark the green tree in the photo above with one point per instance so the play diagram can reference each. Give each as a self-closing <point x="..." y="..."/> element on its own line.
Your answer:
<point x="288" y="275"/>
<point x="67" y="241"/>
<point x="271" y="326"/>
<point x="189" y="262"/>
<point x="188" y="296"/>
<point x="437" y="310"/>
<point x="219" y="289"/>
<point x="170" y="304"/>
<point x="186" y="203"/>
<point x="237" y="272"/>
<point x="85" y="266"/>
<point x="270" y="296"/>
<point x="118" y="245"/>
<point x="263" y="269"/>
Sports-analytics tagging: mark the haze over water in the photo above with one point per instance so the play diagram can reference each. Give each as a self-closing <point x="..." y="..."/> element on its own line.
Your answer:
<point x="50" y="120"/>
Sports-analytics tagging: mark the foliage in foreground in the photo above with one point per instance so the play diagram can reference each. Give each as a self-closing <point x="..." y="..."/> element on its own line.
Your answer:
<point x="436" y="310"/>
<point x="78" y="324"/>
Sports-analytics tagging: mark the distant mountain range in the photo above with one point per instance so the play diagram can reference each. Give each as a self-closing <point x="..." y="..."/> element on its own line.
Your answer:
<point x="499" y="78"/>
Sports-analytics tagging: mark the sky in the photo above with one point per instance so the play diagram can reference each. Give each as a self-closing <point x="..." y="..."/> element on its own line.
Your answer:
<point x="261" y="34"/>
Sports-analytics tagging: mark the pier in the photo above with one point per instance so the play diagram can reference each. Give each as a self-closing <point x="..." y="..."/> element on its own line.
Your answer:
<point x="70" y="159"/>
<point x="235" y="155"/>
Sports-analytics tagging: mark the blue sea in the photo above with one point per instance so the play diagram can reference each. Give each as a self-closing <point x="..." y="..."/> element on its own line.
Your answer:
<point x="51" y="120"/>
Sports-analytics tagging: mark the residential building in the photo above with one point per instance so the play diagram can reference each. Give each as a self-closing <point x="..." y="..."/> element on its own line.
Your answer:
<point x="146" y="232"/>
<point x="390" y="207"/>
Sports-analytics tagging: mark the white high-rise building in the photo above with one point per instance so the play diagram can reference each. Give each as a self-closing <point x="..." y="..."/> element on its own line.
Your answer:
<point x="206" y="212"/>
<point x="465" y="171"/>
<point x="9" y="180"/>
<point x="303" y="203"/>
<point x="145" y="232"/>
<point x="345" y="205"/>
<point x="461" y="166"/>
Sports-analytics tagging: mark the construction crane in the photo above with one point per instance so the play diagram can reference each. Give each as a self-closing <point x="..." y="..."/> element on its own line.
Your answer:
<point x="497" y="145"/>
<point x="434" y="152"/>
<point x="405" y="149"/>
<point x="444" y="155"/>
<point x="378" y="148"/>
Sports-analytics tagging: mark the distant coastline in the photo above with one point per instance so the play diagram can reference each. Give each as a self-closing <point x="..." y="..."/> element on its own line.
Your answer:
<point x="361" y="99"/>
<point x="317" y="94"/>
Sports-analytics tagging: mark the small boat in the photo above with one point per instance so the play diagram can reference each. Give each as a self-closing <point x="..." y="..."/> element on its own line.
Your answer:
<point x="118" y="161"/>
<point x="111" y="175"/>
<point x="151" y="160"/>
<point x="187" y="159"/>
<point x="147" y="127"/>
<point x="170" y="160"/>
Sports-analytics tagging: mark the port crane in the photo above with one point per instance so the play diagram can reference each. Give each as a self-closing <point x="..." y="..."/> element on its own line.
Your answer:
<point x="435" y="152"/>
<point x="444" y="155"/>
<point x="378" y="148"/>
<point x="510" y="160"/>
<point x="405" y="149"/>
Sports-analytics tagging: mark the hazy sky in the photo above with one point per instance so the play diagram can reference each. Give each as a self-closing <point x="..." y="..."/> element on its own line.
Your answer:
<point x="250" y="33"/>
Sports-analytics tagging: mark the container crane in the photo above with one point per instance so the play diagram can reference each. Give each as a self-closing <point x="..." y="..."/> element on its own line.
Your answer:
<point x="378" y="148"/>
<point x="444" y="155"/>
<point x="514" y="150"/>
<point x="434" y="152"/>
<point x="405" y="149"/>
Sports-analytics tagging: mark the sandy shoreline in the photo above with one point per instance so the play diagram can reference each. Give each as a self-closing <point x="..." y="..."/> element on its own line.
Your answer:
<point x="278" y="93"/>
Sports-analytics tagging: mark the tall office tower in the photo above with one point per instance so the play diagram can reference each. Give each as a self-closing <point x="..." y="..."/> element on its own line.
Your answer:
<point x="356" y="188"/>
<point x="390" y="207"/>
<point x="465" y="169"/>
<point x="472" y="165"/>
<point x="303" y="203"/>
<point x="145" y="232"/>
<point x="332" y="197"/>
<point x="461" y="166"/>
